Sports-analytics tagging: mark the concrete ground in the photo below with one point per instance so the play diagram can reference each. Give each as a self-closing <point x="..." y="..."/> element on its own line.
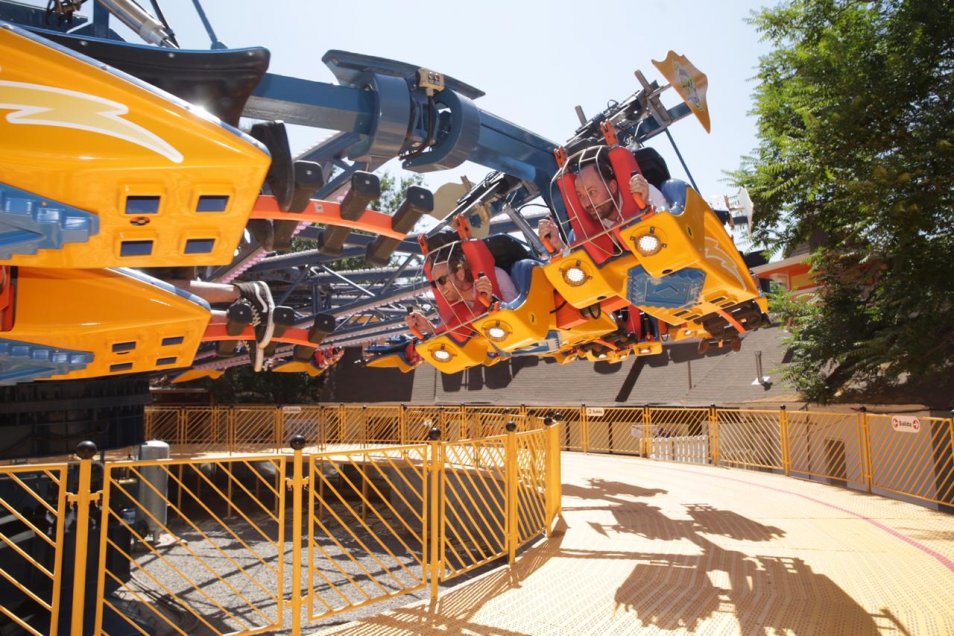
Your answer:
<point x="651" y="547"/>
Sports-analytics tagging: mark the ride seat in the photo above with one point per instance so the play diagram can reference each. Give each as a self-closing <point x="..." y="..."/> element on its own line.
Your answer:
<point x="674" y="191"/>
<point x="453" y="315"/>
<point x="522" y="275"/>
<point x="601" y="246"/>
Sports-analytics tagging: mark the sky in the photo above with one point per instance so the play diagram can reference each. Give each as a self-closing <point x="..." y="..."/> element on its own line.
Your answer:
<point x="535" y="61"/>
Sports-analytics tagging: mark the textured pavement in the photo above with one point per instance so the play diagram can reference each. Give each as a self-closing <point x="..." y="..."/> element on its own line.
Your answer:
<point x="652" y="547"/>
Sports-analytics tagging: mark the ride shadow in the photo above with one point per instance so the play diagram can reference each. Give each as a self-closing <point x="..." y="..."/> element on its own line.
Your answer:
<point x="765" y="594"/>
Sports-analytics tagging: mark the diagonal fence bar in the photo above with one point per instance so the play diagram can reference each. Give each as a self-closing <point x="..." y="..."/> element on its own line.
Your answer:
<point x="366" y="527"/>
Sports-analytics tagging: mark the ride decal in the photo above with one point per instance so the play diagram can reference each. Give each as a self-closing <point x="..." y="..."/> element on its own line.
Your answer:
<point x="38" y="105"/>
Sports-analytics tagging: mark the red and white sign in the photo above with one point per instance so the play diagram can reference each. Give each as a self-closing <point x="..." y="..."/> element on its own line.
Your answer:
<point x="905" y="423"/>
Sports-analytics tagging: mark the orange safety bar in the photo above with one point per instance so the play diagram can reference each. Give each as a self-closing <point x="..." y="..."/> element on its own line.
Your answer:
<point x="326" y="213"/>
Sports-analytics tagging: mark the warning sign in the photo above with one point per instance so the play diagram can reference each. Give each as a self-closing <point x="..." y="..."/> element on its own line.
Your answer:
<point x="595" y="411"/>
<point x="905" y="423"/>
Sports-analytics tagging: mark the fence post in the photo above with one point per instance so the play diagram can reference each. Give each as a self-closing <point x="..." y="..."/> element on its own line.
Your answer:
<point x="783" y="434"/>
<point x="714" y="432"/>
<point x="297" y="485"/>
<point x="341" y="424"/>
<point x="231" y="433"/>
<point x="402" y="424"/>
<point x="81" y="499"/>
<point x="434" y="516"/>
<point x="510" y="453"/>
<point x="647" y="436"/>
<point x="554" y="484"/>
<point x="865" y="446"/>
<point x="584" y="429"/>
<point x="366" y="437"/>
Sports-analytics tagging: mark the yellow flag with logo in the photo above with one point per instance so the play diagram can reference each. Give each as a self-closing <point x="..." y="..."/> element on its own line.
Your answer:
<point x="689" y="82"/>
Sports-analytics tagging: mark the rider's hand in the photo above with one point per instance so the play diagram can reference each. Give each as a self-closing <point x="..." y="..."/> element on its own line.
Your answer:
<point x="417" y="321"/>
<point x="640" y="189"/>
<point x="548" y="232"/>
<point x="483" y="287"/>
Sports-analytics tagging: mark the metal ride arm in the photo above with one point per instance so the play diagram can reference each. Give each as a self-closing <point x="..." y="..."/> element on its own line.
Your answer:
<point x="384" y="109"/>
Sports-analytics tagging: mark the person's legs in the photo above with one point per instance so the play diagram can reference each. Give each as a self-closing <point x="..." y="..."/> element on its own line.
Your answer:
<point x="251" y="301"/>
<point x="214" y="293"/>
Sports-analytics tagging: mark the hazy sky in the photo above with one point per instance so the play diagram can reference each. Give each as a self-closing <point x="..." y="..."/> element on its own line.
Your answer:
<point x="534" y="60"/>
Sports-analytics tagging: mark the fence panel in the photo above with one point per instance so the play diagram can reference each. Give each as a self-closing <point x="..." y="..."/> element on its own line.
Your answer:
<point x="535" y="415"/>
<point x="912" y="457"/>
<point x="366" y="530"/>
<point x="383" y="424"/>
<point x="751" y="439"/>
<point x="204" y="429"/>
<point x="679" y="434"/>
<point x="487" y="421"/>
<point x="254" y="429"/>
<point x="614" y="430"/>
<point x="473" y="484"/>
<point x="163" y="424"/>
<point x="214" y="565"/>
<point x="353" y="423"/>
<point x="31" y="548"/>
<point x="419" y="420"/>
<point x="573" y="438"/>
<point x="306" y="421"/>
<point x="531" y="485"/>
<point x="826" y="446"/>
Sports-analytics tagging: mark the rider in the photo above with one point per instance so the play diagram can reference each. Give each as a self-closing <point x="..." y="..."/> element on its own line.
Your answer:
<point x="451" y="277"/>
<point x="600" y="195"/>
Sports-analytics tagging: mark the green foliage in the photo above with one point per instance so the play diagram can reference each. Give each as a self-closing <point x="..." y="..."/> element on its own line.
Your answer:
<point x="392" y="194"/>
<point x="856" y="129"/>
<point x="243" y="385"/>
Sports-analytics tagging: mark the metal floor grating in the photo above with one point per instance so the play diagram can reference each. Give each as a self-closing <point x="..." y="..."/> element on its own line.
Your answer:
<point x="652" y="547"/>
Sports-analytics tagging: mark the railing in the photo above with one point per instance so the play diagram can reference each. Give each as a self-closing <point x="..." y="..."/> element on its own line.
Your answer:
<point x="905" y="457"/>
<point x="256" y="543"/>
<point x="253" y="543"/>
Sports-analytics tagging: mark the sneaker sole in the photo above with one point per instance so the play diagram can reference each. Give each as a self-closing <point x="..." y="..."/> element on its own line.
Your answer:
<point x="266" y="299"/>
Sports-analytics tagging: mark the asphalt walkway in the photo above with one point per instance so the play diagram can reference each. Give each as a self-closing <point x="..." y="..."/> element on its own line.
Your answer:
<point x="652" y="547"/>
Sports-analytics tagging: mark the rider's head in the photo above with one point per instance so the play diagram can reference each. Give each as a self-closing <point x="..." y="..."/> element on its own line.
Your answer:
<point x="596" y="186"/>
<point x="450" y="275"/>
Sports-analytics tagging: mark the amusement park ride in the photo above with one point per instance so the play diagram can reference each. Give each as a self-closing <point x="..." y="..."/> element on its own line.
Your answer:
<point x="117" y="159"/>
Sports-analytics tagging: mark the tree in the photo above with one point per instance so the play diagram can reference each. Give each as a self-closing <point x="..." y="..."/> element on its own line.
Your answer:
<point x="856" y="146"/>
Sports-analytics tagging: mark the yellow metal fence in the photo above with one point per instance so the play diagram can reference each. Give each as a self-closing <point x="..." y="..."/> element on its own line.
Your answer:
<point x="898" y="456"/>
<point x="256" y="543"/>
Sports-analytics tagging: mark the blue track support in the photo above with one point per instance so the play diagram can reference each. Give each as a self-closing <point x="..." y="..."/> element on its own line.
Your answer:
<point x="29" y="222"/>
<point x="310" y="103"/>
<point x="25" y="362"/>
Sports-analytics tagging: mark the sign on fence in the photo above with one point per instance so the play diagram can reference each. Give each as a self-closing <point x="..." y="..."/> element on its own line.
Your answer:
<point x="905" y="423"/>
<point x="595" y="411"/>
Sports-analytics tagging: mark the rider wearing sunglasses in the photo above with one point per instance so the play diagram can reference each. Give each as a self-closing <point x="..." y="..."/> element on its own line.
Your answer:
<point x="451" y="278"/>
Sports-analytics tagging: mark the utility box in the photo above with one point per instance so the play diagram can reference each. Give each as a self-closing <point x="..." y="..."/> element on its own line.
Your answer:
<point x="154" y="487"/>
